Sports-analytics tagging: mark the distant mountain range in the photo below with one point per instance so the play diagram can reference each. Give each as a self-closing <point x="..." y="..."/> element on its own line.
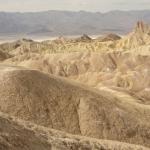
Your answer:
<point x="56" y="23"/>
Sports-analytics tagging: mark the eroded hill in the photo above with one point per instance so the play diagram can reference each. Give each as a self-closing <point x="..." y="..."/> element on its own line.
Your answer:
<point x="60" y="104"/>
<point x="92" y="87"/>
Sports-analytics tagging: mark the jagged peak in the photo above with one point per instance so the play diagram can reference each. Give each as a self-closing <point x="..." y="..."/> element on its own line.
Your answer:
<point x="142" y="27"/>
<point x="84" y="38"/>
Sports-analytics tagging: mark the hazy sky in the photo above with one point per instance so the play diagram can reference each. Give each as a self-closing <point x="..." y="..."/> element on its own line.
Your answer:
<point x="74" y="5"/>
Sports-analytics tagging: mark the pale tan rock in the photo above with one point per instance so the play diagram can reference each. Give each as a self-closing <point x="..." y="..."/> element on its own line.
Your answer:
<point x="116" y="107"/>
<point x="67" y="106"/>
<point x="20" y="135"/>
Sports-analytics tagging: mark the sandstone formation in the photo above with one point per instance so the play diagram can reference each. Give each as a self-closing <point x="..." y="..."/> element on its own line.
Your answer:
<point x="124" y="70"/>
<point x="94" y="88"/>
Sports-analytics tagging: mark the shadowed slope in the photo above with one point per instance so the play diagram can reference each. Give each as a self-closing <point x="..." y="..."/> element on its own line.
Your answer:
<point x="4" y="55"/>
<point x="16" y="134"/>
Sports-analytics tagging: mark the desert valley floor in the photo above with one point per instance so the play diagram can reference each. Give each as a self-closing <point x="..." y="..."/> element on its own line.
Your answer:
<point x="76" y="93"/>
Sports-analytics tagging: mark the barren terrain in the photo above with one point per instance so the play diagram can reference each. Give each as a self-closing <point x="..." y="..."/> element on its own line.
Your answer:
<point x="97" y="88"/>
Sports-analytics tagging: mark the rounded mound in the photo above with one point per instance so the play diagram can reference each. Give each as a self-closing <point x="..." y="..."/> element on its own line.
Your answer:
<point x="60" y="104"/>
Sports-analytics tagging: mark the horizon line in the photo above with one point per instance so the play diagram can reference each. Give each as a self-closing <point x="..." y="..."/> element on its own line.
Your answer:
<point x="76" y="11"/>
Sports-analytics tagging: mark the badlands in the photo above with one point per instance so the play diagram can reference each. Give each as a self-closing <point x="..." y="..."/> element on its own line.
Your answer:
<point x="76" y="93"/>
